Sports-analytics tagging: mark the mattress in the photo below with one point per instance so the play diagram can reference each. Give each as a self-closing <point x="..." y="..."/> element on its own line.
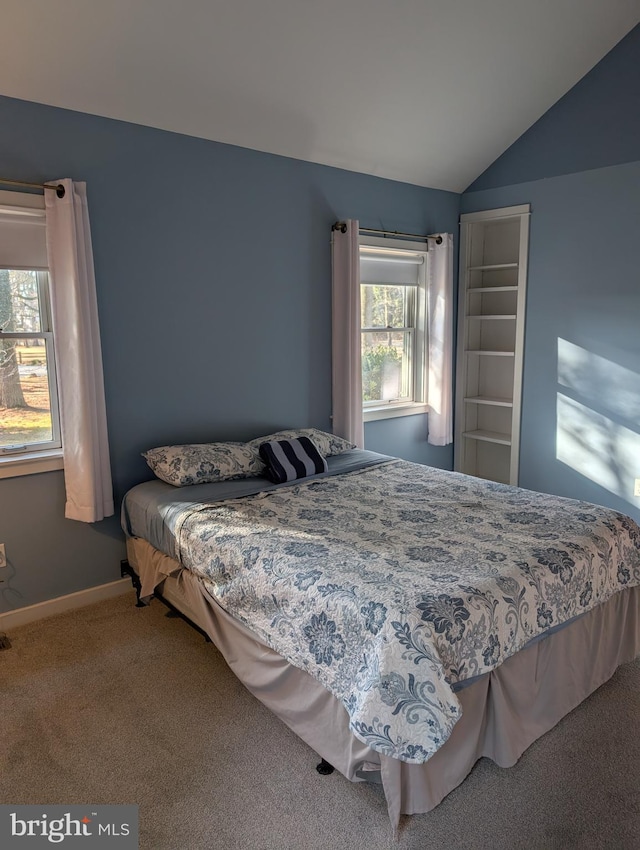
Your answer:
<point x="394" y="584"/>
<point x="403" y="620"/>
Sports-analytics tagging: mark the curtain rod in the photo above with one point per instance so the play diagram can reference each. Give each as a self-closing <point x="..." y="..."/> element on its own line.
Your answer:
<point x="58" y="187"/>
<point x="342" y="227"/>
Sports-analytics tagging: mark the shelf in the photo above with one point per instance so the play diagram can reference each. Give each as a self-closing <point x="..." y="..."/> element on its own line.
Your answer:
<point x="491" y="353"/>
<point x="492" y="289"/>
<point x="492" y="318"/>
<point x="492" y="400"/>
<point x="493" y="267"/>
<point x="489" y="437"/>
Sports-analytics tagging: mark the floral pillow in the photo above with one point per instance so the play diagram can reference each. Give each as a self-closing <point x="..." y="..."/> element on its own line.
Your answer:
<point x="327" y="444"/>
<point x="202" y="463"/>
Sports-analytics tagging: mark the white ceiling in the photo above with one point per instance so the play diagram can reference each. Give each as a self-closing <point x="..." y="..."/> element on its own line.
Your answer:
<point x="415" y="90"/>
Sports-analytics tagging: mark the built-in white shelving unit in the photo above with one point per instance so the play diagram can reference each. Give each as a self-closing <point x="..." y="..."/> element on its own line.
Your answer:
<point x="493" y="277"/>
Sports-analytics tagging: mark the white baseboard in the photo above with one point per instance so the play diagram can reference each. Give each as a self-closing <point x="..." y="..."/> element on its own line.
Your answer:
<point x="31" y="613"/>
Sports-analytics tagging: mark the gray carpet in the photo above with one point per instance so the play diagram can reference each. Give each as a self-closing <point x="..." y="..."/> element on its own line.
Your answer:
<point x="115" y="704"/>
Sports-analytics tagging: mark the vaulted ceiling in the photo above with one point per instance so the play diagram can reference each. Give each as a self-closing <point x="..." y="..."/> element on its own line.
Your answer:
<point x="415" y="90"/>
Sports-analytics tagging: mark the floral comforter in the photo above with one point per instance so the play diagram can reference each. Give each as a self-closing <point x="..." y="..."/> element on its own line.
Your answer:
<point x="393" y="584"/>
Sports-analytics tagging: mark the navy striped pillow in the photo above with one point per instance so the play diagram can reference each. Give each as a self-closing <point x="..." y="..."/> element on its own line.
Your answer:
<point x="287" y="460"/>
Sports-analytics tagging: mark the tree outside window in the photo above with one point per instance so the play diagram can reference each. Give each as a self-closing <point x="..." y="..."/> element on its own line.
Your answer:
<point x="28" y="417"/>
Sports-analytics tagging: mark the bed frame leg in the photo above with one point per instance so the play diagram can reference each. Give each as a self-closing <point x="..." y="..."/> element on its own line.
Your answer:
<point x="324" y="768"/>
<point x="127" y="570"/>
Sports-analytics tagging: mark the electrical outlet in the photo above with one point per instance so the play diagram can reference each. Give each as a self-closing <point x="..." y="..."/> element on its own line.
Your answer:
<point x="636" y="487"/>
<point x="3" y="556"/>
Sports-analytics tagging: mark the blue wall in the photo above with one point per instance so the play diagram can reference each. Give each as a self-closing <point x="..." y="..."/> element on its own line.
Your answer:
<point x="596" y="124"/>
<point x="579" y="167"/>
<point x="213" y="275"/>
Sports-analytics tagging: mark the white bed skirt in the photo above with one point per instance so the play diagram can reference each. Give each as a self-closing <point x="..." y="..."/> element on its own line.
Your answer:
<point x="504" y="712"/>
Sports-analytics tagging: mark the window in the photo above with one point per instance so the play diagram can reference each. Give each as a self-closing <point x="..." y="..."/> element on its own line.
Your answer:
<point x="393" y="328"/>
<point x="29" y="422"/>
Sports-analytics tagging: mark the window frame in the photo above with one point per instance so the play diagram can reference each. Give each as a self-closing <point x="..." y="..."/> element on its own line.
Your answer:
<point x="46" y="455"/>
<point x="418" y="404"/>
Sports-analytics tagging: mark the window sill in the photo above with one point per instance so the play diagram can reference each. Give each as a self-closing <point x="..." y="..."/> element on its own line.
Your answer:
<point x="30" y="463"/>
<point x="391" y="411"/>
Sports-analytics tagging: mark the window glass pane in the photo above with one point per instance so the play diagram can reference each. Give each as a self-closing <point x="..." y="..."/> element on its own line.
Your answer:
<point x="386" y="365"/>
<point x="25" y="408"/>
<point x="384" y="306"/>
<point x="19" y="301"/>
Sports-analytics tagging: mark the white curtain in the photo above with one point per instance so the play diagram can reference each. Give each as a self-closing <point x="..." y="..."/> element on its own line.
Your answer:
<point x="346" y="350"/>
<point x="440" y="335"/>
<point x="83" y="418"/>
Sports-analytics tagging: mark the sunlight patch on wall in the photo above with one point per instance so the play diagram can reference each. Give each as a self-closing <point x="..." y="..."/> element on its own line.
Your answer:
<point x="597" y="419"/>
<point x="598" y="448"/>
<point x="613" y="387"/>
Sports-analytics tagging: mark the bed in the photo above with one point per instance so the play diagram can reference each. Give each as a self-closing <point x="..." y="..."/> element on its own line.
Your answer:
<point x="404" y="621"/>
